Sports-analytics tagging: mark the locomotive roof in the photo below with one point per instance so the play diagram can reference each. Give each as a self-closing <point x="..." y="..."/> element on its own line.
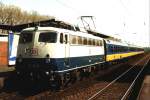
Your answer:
<point x="60" y="30"/>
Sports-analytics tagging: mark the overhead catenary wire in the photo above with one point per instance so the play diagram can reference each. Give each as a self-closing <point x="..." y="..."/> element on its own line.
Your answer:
<point x="68" y="7"/>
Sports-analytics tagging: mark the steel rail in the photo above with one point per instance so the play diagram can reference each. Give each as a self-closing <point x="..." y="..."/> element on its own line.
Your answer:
<point x="131" y="86"/>
<point x="100" y="91"/>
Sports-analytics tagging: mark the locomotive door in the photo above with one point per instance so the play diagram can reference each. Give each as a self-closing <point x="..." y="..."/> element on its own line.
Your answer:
<point x="67" y="50"/>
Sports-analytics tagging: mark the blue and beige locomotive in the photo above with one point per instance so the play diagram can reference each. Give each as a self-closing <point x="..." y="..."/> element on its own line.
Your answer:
<point x="58" y="54"/>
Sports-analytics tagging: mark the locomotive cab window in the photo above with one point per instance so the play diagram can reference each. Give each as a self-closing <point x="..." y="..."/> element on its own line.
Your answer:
<point x="48" y="37"/>
<point x="26" y="37"/>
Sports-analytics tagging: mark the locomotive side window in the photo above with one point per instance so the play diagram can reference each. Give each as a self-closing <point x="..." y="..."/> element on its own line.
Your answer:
<point x="85" y="41"/>
<point x="97" y="43"/>
<point x="49" y="37"/>
<point x="73" y="39"/>
<point x="79" y="40"/>
<point x="101" y="43"/>
<point x="93" y="42"/>
<point x="66" y="38"/>
<point x="25" y="37"/>
<point x="89" y="41"/>
<point x="61" y="37"/>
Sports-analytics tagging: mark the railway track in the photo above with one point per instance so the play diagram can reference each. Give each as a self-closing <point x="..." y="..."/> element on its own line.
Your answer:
<point x="82" y="90"/>
<point x="120" y="87"/>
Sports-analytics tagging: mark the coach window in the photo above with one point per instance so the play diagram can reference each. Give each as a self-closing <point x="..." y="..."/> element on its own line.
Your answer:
<point x="124" y="49"/>
<point x="61" y="37"/>
<point x="112" y="48"/>
<point x="117" y="48"/>
<point x="121" y="48"/>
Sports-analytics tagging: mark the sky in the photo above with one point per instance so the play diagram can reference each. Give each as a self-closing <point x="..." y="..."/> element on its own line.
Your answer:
<point x="125" y="19"/>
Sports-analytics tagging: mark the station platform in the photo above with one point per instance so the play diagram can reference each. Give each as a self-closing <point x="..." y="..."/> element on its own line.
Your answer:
<point x="6" y="70"/>
<point x="144" y="93"/>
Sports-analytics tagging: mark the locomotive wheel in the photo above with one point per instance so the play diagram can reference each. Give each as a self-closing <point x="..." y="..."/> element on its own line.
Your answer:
<point x="74" y="76"/>
<point x="78" y="75"/>
<point x="56" y="84"/>
<point x="67" y="79"/>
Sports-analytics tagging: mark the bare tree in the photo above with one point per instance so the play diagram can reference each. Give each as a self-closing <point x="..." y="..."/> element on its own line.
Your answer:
<point x="14" y="15"/>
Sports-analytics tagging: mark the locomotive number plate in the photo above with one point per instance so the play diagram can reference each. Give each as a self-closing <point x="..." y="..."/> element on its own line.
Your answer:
<point x="31" y="51"/>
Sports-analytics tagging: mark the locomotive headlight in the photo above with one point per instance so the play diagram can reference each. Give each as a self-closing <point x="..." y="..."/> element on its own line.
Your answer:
<point x="47" y="73"/>
<point x="47" y="60"/>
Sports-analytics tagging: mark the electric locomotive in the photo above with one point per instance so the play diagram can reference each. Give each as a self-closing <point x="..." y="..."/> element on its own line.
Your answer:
<point x="58" y="54"/>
